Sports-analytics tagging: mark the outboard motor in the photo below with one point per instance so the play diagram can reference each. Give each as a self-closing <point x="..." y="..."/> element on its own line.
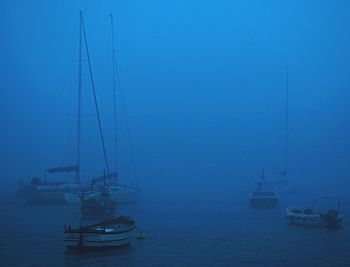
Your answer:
<point x="332" y="217"/>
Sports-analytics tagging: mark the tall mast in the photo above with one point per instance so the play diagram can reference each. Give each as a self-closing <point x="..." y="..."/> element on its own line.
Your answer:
<point x="287" y="124"/>
<point x="77" y="174"/>
<point x="115" y="80"/>
<point x="95" y="98"/>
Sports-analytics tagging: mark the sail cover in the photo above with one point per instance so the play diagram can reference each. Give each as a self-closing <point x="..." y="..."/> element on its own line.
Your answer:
<point x="103" y="177"/>
<point x="73" y="168"/>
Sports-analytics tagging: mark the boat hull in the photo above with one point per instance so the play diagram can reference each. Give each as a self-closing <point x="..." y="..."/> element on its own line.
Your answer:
<point x="119" y="196"/>
<point x="111" y="233"/>
<point x="309" y="221"/>
<point x="312" y="219"/>
<point x="45" y="194"/>
<point x="263" y="203"/>
<point x="97" y="240"/>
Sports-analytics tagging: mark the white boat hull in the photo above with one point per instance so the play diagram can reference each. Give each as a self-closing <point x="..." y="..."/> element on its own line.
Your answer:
<point x="309" y="218"/>
<point x="97" y="240"/>
<point x="307" y="221"/>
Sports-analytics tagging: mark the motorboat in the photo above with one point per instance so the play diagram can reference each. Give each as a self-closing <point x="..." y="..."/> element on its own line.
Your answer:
<point x="311" y="217"/>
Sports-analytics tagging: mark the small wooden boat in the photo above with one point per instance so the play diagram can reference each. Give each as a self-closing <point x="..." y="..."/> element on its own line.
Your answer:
<point x="311" y="217"/>
<point x="106" y="234"/>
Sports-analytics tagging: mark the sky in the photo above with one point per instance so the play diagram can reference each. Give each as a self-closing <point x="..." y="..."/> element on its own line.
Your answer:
<point x="203" y="84"/>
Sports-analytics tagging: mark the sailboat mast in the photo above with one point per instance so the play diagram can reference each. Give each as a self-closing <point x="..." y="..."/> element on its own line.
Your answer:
<point x="115" y="72"/>
<point x="95" y="99"/>
<point x="287" y="124"/>
<point x="77" y="174"/>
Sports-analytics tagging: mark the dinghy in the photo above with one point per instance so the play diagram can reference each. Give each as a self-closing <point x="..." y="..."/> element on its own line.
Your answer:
<point x="312" y="217"/>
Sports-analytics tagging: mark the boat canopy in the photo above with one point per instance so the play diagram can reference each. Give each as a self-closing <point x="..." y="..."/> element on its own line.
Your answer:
<point x="73" y="168"/>
<point x="103" y="177"/>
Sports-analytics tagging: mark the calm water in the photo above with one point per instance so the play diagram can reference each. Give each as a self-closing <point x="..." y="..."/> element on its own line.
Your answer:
<point x="198" y="230"/>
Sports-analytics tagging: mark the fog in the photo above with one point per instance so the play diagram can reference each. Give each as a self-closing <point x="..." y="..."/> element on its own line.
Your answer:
<point x="203" y="84"/>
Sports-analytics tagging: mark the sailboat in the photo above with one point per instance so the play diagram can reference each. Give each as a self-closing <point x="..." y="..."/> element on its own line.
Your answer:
<point x="264" y="196"/>
<point x="38" y="191"/>
<point x="282" y="185"/>
<point x="118" y="192"/>
<point x="42" y="191"/>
